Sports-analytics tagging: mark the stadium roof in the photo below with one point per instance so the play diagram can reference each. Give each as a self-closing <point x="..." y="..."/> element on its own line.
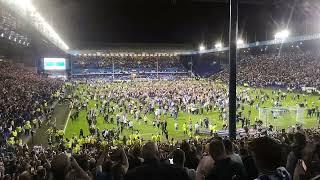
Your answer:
<point x="84" y="24"/>
<point x="133" y="48"/>
<point x="254" y="2"/>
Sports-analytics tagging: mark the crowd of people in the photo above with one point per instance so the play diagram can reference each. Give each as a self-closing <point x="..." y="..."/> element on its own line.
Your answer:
<point x="151" y="102"/>
<point x="268" y="154"/>
<point x="25" y="99"/>
<point x="129" y="63"/>
<point x="196" y="101"/>
<point x="281" y="156"/>
<point x="295" y="69"/>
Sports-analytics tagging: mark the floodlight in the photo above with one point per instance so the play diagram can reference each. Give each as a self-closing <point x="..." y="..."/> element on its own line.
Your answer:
<point x="218" y="45"/>
<point x="240" y="42"/>
<point x="282" y="34"/>
<point x="25" y="4"/>
<point x="25" y="8"/>
<point x="202" y="47"/>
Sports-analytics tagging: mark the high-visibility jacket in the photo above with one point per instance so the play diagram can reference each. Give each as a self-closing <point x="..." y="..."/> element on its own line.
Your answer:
<point x="154" y="138"/>
<point x="14" y="133"/>
<point x="158" y="138"/>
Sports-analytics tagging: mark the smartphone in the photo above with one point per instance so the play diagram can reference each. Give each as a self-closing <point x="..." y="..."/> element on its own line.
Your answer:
<point x="171" y="161"/>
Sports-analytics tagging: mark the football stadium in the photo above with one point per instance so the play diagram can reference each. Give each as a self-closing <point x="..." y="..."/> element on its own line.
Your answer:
<point x="163" y="89"/>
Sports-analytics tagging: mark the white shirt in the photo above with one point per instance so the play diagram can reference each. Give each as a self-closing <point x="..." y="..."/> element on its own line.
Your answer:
<point x="175" y="125"/>
<point x="196" y="126"/>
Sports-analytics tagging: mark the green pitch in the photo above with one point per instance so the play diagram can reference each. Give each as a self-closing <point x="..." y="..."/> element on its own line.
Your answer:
<point x="146" y="131"/>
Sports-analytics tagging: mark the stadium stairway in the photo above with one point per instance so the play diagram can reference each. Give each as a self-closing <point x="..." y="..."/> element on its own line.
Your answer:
<point x="60" y="116"/>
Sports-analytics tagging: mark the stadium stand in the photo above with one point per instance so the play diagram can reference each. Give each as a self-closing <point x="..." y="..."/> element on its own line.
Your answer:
<point x="25" y="99"/>
<point x="128" y="64"/>
<point x="294" y="69"/>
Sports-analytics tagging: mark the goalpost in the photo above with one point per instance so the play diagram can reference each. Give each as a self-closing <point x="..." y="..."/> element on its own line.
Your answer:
<point x="281" y="116"/>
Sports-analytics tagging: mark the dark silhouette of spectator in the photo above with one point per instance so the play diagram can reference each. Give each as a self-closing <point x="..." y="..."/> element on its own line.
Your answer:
<point x="152" y="168"/>
<point x="224" y="168"/>
<point x="179" y="159"/>
<point x="267" y="156"/>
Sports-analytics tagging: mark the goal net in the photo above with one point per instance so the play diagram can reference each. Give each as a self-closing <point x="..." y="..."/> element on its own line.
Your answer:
<point x="281" y="117"/>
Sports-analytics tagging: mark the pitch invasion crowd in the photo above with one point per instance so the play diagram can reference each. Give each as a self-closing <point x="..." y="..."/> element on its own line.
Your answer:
<point x="115" y="102"/>
<point x="122" y="103"/>
<point x="289" y="69"/>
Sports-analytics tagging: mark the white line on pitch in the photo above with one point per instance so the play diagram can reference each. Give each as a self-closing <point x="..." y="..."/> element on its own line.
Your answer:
<point x="65" y="126"/>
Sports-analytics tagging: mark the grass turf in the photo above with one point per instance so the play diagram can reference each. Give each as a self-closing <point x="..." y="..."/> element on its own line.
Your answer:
<point x="74" y="126"/>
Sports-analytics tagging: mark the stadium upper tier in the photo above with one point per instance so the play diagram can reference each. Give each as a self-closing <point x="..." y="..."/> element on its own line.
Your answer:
<point x="120" y="64"/>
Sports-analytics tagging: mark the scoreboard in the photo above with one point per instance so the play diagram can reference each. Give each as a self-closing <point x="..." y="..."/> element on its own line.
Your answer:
<point x="54" y="64"/>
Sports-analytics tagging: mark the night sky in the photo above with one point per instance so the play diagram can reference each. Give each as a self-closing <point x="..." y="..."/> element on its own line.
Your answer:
<point x="84" y="23"/>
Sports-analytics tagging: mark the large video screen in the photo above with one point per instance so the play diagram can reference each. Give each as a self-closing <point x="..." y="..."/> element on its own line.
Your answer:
<point x="54" y="64"/>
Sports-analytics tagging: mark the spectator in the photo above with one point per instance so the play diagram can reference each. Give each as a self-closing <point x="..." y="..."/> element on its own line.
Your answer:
<point x="67" y="168"/>
<point x="179" y="160"/>
<point x="230" y="151"/>
<point x="205" y="165"/>
<point x="248" y="163"/>
<point x="153" y="169"/>
<point x="297" y="152"/>
<point x="267" y="156"/>
<point x="191" y="158"/>
<point x="134" y="157"/>
<point x="224" y="168"/>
